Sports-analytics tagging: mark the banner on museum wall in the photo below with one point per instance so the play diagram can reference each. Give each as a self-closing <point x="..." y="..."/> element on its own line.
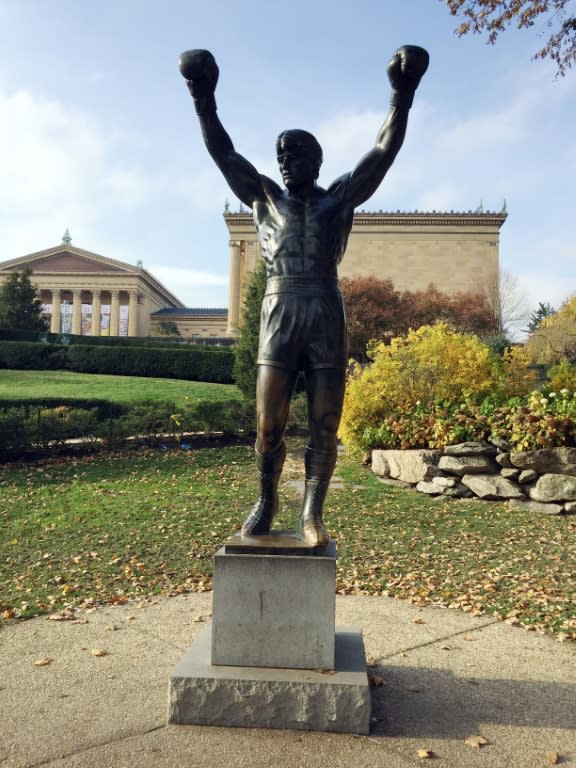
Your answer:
<point x="105" y="320"/>
<point x="86" y="327"/>
<point x="123" y="330"/>
<point x="66" y="317"/>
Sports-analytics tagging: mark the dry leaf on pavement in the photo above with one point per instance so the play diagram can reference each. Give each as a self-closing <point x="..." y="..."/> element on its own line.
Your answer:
<point x="43" y="662"/>
<point x="476" y="741"/>
<point x="376" y="680"/>
<point x="553" y="758"/>
<point x="425" y="754"/>
<point x="99" y="652"/>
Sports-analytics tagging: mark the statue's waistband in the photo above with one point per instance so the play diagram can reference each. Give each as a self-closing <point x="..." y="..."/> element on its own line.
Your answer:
<point x="310" y="286"/>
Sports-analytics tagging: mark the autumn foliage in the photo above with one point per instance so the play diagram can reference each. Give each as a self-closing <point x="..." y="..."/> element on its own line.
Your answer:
<point x="555" y="337"/>
<point x="432" y="387"/>
<point x="494" y="16"/>
<point x="377" y="311"/>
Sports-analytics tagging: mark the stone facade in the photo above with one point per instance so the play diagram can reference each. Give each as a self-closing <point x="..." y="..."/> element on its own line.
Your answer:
<point x="455" y="251"/>
<point x="194" y="323"/>
<point x="77" y="286"/>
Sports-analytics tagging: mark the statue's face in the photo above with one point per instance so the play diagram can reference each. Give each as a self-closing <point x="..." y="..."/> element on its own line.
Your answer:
<point x="295" y="166"/>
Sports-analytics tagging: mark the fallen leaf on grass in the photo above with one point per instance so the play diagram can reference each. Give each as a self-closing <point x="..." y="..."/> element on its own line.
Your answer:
<point x="99" y="652"/>
<point x="425" y="754"/>
<point x="43" y="662"/>
<point x="9" y="613"/>
<point x="552" y="757"/>
<point x="476" y="741"/>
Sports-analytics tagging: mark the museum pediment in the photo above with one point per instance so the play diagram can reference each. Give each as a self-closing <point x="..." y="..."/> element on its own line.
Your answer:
<point x="71" y="262"/>
<point x="67" y="259"/>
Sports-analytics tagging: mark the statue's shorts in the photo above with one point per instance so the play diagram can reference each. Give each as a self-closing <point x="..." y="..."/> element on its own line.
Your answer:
<point x="303" y="324"/>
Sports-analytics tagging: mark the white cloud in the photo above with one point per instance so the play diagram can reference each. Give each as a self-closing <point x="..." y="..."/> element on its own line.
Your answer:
<point x="58" y="168"/>
<point x="194" y="288"/>
<point x="186" y="278"/>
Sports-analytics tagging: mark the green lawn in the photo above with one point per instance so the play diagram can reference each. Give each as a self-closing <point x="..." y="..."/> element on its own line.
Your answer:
<point x="100" y="529"/>
<point x="23" y="385"/>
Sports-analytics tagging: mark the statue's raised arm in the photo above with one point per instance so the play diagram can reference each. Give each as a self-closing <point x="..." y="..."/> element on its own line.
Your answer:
<point x="200" y="70"/>
<point x="405" y="70"/>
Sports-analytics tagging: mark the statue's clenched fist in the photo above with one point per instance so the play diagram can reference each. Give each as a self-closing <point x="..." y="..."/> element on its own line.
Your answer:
<point x="200" y="69"/>
<point x="406" y="68"/>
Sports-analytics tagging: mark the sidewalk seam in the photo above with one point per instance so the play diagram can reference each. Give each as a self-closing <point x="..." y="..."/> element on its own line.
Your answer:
<point x="97" y="745"/>
<point x="439" y="640"/>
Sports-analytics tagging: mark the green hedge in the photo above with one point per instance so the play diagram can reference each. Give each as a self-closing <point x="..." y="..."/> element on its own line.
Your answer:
<point x="189" y="363"/>
<point x="104" y="408"/>
<point x="109" y="341"/>
<point x="48" y="424"/>
<point x="29" y="356"/>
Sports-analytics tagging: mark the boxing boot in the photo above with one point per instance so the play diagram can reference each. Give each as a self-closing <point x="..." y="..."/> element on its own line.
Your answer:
<point x="319" y="468"/>
<point x="269" y="467"/>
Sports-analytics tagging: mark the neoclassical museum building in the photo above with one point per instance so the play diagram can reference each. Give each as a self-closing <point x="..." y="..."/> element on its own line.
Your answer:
<point x="93" y="295"/>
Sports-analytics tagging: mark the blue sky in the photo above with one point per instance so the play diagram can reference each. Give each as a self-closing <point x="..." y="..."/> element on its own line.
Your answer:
<point x="98" y="131"/>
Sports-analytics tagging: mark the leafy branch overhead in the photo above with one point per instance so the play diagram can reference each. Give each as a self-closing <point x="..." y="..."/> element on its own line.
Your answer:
<point x="554" y="17"/>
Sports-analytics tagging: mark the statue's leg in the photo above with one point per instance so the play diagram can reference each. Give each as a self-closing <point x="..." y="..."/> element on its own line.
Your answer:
<point x="325" y="390"/>
<point x="273" y="392"/>
<point x="262" y="513"/>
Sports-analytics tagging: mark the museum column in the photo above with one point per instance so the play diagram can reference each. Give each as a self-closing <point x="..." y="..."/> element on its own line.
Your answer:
<point x="55" y="317"/>
<point x="96" y="313"/>
<point x="133" y="314"/>
<point x="77" y="312"/>
<point x="115" y="313"/>
<point x="234" y="292"/>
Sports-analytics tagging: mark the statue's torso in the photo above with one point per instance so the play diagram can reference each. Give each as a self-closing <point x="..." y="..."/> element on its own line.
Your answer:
<point x="303" y="238"/>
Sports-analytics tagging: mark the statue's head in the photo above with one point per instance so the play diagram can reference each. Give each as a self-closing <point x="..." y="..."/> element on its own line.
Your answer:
<point x="299" y="157"/>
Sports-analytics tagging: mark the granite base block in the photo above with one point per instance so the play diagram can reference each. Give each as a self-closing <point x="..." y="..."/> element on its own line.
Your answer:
<point x="274" y="610"/>
<point x="257" y="697"/>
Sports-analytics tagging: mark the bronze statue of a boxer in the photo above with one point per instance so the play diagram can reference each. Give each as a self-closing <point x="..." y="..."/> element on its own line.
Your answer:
<point x="302" y="230"/>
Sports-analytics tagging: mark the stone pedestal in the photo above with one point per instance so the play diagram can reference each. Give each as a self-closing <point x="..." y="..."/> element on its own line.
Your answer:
<point x="271" y="657"/>
<point x="274" y="610"/>
<point x="255" y="697"/>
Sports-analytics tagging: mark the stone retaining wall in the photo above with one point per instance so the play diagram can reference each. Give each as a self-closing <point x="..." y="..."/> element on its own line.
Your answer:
<point x="539" y="481"/>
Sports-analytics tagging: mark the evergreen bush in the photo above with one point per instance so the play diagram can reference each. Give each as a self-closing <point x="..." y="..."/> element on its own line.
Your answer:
<point x="31" y="356"/>
<point x="184" y="362"/>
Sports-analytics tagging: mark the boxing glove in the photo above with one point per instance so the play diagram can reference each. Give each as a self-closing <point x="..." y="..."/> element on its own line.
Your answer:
<point x="405" y="70"/>
<point x="201" y="71"/>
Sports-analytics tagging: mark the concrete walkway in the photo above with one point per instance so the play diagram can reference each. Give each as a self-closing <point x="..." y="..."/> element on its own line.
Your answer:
<point x="442" y="676"/>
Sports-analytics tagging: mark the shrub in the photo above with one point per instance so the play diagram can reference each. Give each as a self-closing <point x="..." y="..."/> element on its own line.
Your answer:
<point x="190" y="363"/>
<point x="555" y="336"/>
<point x="560" y="376"/>
<point x="14" y="436"/>
<point x="49" y="424"/>
<point x="182" y="362"/>
<point x="246" y="351"/>
<point x="31" y="356"/>
<point x="426" y="390"/>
